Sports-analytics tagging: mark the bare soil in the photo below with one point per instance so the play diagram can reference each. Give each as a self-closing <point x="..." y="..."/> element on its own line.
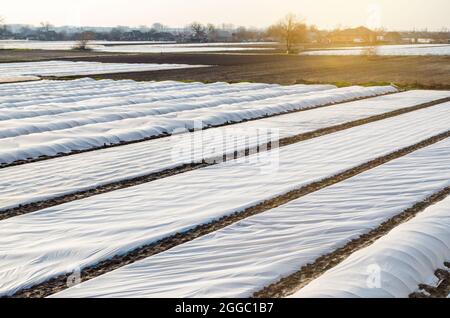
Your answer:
<point x="405" y="71"/>
<point x="408" y="72"/>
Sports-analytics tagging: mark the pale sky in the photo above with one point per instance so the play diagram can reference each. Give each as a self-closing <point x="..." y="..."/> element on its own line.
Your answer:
<point x="392" y="14"/>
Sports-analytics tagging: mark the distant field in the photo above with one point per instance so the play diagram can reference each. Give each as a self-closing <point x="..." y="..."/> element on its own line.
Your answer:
<point x="137" y="46"/>
<point x="429" y="72"/>
<point x="406" y="71"/>
<point x="88" y="114"/>
<point x="27" y="55"/>
<point x="150" y="181"/>
<point x="69" y="68"/>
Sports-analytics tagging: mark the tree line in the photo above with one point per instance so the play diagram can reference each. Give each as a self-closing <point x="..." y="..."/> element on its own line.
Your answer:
<point x="195" y="32"/>
<point x="289" y="31"/>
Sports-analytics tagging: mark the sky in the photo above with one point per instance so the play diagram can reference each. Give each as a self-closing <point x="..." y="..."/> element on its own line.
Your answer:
<point x="391" y="14"/>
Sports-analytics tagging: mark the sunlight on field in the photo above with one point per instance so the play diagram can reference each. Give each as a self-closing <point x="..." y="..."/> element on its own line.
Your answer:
<point x="222" y="150"/>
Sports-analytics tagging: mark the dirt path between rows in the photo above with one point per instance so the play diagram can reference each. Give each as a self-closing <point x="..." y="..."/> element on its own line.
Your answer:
<point x="285" y="286"/>
<point x="32" y="207"/>
<point x="75" y="152"/>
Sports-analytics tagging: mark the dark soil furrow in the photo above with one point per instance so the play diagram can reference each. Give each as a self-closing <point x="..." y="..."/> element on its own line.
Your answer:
<point x="286" y="285"/>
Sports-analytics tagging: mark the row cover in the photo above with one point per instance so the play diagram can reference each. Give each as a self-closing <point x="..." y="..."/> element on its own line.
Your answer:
<point x="40" y="245"/>
<point x="47" y="179"/>
<point x="20" y="100"/>
<point x="90" y="136"/>
<point x="50" y="118"/>
<point x="396" y="264"/>
<point x="251" y="254"/>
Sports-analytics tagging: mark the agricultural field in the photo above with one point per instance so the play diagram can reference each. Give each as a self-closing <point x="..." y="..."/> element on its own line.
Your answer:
<point x="139" y="47"/>
<point x="409" y="72"/>
<point x="222" y="157"/>
<point x="120" y="188"/>
<point x="423" y="239"/>
<point x="84" y="114"/>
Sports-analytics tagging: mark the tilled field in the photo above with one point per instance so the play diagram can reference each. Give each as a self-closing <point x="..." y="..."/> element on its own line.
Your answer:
<point x="410" y="71"/>
<point x="168" y="189"/>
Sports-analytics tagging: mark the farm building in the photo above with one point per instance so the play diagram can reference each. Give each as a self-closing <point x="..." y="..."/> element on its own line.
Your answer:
<point x="356" y="35"/>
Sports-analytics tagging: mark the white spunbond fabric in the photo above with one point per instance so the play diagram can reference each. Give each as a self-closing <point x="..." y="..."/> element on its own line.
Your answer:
<point x="393" y="266"/>
<point x="67" y="45"/>
<point x="244" y="257"/>
<point x="77" y="97"/>
<point x="97" y="135"/>
<point x="69" y="68"/>
<point x="44" y="180"/>
<point x="122" y="109"/>
<point x="38" y="246"/>
<point x="50" y="91"/>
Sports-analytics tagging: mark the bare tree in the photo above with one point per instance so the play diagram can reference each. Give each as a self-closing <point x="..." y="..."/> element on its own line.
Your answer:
<point x="83" y="41"/>
<point x="198" y="32"/>
<point x="290" y="31"/>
